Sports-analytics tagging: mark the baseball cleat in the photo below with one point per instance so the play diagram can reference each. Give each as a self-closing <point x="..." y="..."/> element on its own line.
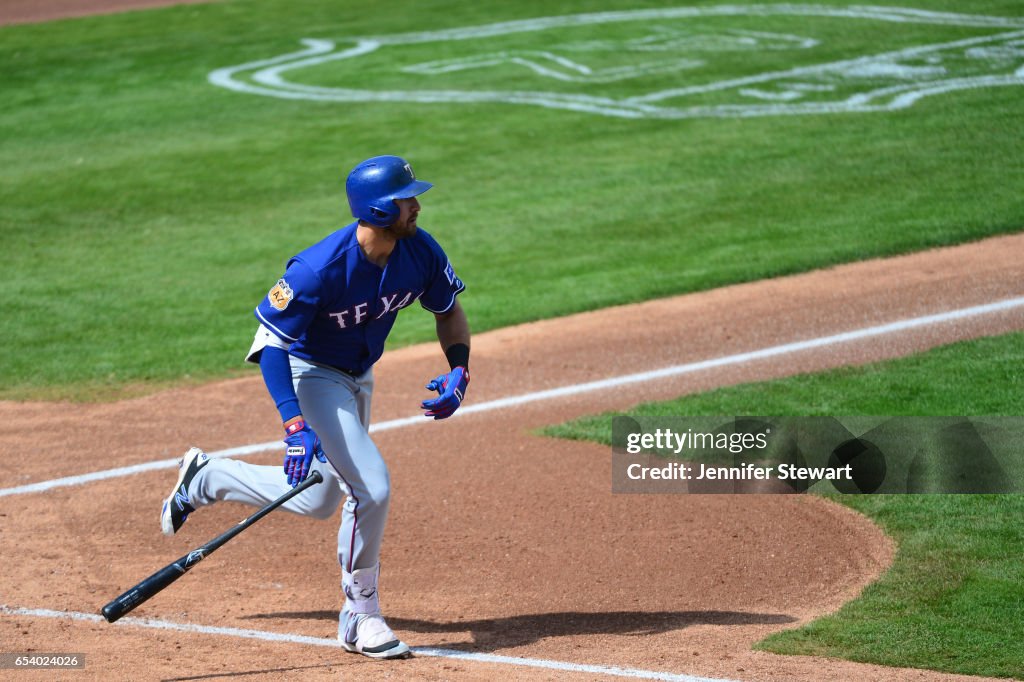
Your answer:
<point x="369" y="635"/>
<point x="178" y="504"/>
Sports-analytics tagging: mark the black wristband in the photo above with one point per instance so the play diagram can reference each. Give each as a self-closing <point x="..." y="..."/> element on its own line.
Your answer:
<point x="458" y="355"/>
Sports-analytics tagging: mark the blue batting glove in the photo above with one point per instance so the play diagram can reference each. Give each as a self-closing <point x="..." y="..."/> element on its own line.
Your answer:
<point x="451" y="388"/>
<point x="301" y="445"/>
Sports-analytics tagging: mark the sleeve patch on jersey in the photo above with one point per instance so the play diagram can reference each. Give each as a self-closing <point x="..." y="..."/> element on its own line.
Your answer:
<point x="281" y="295"/>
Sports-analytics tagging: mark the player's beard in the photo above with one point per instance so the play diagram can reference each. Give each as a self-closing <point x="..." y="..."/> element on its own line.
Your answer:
<point x="402" y="230"/>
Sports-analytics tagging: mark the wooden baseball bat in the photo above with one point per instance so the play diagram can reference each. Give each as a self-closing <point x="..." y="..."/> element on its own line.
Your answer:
<point x="171" y="572"/>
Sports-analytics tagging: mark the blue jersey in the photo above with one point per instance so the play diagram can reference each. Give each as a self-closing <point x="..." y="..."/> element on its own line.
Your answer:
<point x="335" y="307"/>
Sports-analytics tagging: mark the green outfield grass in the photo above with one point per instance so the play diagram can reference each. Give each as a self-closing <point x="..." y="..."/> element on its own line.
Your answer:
<point x="953" y="599"/>
<point x="145" y="211"/>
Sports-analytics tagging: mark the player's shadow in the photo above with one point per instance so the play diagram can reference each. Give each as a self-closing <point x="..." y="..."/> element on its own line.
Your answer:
<point x="489" y="634"/>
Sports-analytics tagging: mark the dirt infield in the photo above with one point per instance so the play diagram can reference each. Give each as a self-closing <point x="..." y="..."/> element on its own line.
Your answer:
<point x="499" y="541"/>
<point x="33" y="11"/>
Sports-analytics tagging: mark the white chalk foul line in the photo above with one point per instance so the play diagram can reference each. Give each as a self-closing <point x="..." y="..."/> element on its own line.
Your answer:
<point x="571" y="390"/>
<point x="740" y="358"/>
<point x="158" y="624"/>
<point x="240" y="451"/>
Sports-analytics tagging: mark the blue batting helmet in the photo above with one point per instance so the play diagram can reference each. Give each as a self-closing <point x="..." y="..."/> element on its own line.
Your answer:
<point x="374" y="184"/>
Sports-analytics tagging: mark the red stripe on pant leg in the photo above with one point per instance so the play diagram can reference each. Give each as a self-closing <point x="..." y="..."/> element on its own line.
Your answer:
<point x="355" y="522"/>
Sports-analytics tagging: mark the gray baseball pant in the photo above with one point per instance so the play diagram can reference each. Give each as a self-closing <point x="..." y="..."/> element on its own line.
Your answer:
<point x="337" y="407"/>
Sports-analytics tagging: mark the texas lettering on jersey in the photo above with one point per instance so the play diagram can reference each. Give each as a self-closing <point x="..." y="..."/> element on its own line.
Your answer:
<point x="334" y="307"/>
<point x="360" y="312"/>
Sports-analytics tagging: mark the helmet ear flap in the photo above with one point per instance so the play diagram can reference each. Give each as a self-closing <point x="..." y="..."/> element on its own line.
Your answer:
<point x="382" y="218"/>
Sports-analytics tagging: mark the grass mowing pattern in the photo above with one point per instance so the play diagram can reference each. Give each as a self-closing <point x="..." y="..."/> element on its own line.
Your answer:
<point x="953" y="599"/>
<point x="146" y="211"/>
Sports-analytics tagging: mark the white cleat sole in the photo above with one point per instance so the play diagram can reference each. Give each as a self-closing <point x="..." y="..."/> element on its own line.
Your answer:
<point x="400" y="650"/>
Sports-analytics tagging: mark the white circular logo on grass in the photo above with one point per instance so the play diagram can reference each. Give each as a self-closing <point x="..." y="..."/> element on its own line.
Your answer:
<point x="684" y="62"/>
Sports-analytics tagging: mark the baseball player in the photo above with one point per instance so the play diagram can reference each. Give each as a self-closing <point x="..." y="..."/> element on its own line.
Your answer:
<point x="321" y="328"/>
